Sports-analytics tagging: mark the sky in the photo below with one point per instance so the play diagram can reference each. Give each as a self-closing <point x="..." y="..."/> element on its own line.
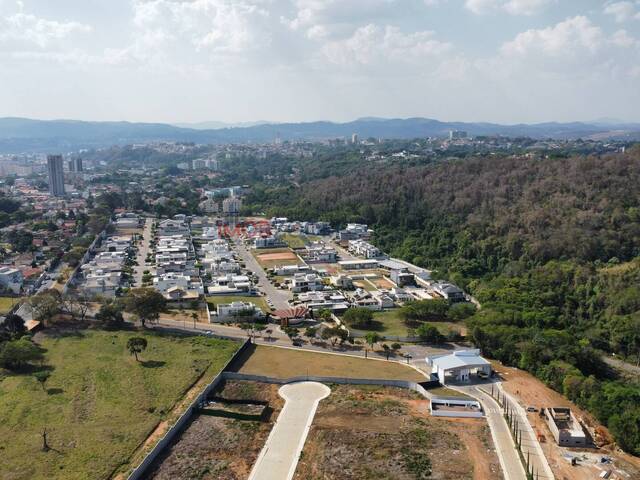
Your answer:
<point x="175" y="61"/>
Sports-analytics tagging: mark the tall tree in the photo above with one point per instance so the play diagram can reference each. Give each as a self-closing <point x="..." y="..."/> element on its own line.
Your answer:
<point x="110" y="314"/>
<point x="145" y="303"/>
<point x="136" y="345"/>
<point x="42" y="376"/>
<point x="14" y="325"/>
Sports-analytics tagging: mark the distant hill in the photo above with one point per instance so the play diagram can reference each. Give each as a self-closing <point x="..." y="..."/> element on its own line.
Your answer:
<point x="27" y="135"/>
<point x="214" y="125"/>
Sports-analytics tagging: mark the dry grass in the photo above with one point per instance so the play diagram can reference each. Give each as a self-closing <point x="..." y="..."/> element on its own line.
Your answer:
<point x="99" y="403"/>
<point x="286" y="363"/>
<point x="6" y="303"/>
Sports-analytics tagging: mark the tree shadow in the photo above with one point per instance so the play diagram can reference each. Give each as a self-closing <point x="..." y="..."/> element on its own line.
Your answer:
<point x="152" y="363"/>
<point x="54" y="391"/>
<point x="61" y="332"/>
<point x="372" y="326"/>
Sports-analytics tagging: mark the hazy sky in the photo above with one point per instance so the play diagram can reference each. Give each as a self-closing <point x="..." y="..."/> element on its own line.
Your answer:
<point x="294" y="60"/>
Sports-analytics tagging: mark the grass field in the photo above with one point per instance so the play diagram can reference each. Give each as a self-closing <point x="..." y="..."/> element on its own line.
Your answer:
<point x="294" y="241"/>
<point x="6" y="303"/>
<point x="286" y="363"/>
<point x="99" y="404"/>
<point x="390" y="324"/>
<point x="259" y="302"/>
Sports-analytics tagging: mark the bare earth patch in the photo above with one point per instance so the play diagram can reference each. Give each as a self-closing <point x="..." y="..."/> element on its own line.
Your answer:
<point x="531" y="391"/>
<point x="277" y="256"/>
<point x="386" y="433"/>
<point x="215" y="448"/>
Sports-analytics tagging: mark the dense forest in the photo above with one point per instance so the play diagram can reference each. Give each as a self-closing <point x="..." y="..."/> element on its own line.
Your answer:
<point x="550" y="247"/>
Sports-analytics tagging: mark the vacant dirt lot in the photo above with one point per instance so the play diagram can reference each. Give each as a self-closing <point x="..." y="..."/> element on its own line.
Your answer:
<point x="287" y="363"/>
<point x="362" y="433"/>
<point x="271" y="258"/>
<point x="277" y="256"/>
<point x="215" y="448"/>
<point x="531" y="391"/>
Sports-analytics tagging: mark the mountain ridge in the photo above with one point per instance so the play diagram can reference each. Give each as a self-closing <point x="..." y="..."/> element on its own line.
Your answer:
<point x="19" y="134"/>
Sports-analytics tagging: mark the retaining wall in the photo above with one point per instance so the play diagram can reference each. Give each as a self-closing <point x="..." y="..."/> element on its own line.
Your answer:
<point x="177" y="427"/>
<point x="338" y="380"/>
<point x="449" y="413"/>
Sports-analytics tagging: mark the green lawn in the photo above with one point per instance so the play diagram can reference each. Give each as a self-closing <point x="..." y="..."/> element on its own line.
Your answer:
<point x="388" y="323"/>
<point x="6" y="303"/>
<point x="260" y="302"/>
<point x="99" y="404"/>
<point x="294" y="241"/>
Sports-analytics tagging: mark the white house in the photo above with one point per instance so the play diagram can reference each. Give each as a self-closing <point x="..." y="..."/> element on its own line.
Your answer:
<point x="229" y="311"/>
<point x="163" y="283"/>
<point x="364" y="249"/>
<point x="173" y="227"/>
<point x="103" y="283"/>
<point x="458" y="366"/>
<point x="304" y="282"/>
<point x="287" y="270"/>
<point x="11" y="279"/>
<point x="268" y="241"/>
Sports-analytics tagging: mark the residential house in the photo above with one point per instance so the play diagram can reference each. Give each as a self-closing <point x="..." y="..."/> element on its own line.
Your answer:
<point x="449" y="291"/>
<point x="11" y="279"/>
<point x="304" y="282"/>
<point x="236" y="311"/>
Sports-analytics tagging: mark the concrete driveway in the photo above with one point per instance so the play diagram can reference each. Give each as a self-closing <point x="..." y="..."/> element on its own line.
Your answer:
<point x="279" y="456"/>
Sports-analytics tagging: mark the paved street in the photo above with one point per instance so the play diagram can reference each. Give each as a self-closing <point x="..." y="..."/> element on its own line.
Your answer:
<point x="279" y="456"/>
<point x="280" y="339"/>
<point x="280" y="298"/>
<point x="143" y="250"/>
<point x="505" y="447"/>
<point x="530" y="443"/>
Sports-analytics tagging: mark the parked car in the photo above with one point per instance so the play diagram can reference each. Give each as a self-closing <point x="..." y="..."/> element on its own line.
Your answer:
<point x="531" y="409"/>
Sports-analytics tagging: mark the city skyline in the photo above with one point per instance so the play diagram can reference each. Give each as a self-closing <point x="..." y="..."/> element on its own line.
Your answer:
<point x="173" y="61"/>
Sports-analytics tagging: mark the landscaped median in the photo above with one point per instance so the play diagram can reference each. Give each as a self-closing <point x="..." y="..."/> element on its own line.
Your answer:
<point x="99" y="404"/>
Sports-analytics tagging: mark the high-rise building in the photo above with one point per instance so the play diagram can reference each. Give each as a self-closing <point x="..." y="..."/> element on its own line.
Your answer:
<point x="75" y="164"/>
<point x="231" y="205"/>
<point x="457" y="134"/>
<point x="56" y="175"/>
<point x="354" y="138"/>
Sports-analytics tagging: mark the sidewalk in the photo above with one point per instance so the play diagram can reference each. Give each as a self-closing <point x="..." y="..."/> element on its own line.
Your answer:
<point x="279" y="456"/>
<point x="530" y="442"/>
